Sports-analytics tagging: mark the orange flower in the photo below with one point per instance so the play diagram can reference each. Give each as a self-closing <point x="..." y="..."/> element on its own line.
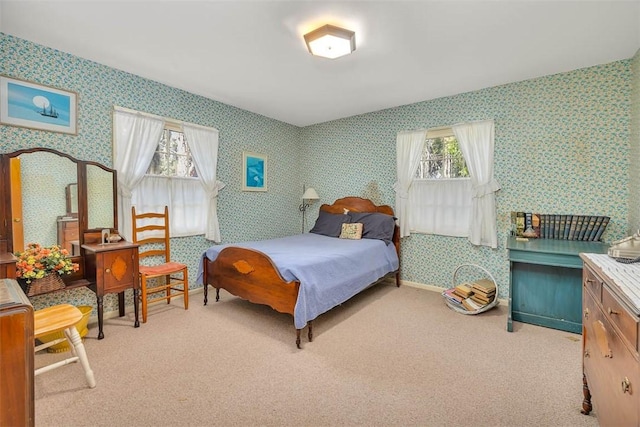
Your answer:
<point x="36" y="262"/>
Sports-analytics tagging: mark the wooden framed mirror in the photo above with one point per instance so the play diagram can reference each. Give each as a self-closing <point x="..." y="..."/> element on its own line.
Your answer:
<point x="71" y="195"/>
<point x="49" y="197"/>
<point x="101" y="197"/>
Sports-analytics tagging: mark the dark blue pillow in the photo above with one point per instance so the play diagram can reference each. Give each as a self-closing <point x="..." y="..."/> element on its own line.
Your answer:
<point x="329" y="224"/>
<point x="375" y="225"/>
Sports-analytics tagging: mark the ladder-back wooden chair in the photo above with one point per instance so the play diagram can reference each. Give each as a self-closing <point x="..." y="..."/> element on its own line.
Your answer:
<point x="151" y="232"/>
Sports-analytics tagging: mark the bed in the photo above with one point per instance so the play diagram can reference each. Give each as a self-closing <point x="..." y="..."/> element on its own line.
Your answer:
<point x="308" y="274"/>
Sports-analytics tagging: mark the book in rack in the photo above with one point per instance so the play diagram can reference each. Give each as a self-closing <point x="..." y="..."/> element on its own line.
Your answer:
<point x="587" y="228"/>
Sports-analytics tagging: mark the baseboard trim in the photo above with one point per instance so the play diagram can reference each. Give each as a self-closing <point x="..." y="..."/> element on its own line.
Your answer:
<point x="439" y="289"/>
<point x="93" y="320"/>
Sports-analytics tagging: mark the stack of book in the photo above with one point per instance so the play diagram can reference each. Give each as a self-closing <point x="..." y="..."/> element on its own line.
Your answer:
<point x="587" y="228"/>
<point x="472" y="296"/>
<point x="484" y="292"/>
<point x="458" y="294"/>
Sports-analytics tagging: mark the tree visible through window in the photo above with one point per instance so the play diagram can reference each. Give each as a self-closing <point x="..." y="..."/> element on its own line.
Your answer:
<point x="442" y="159"/>
<point x="172" y="157"/>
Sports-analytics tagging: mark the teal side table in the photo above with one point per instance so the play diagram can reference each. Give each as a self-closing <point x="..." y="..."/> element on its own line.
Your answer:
<point x="545" y="282"/>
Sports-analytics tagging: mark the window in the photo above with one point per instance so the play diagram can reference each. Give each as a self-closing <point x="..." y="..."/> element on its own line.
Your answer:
<point x="172" y="157"/>
<point x="172" y="180"/>
<point x="437" y="193"/>
<point x="442" y="159"/>
<point x="440" y="195"/>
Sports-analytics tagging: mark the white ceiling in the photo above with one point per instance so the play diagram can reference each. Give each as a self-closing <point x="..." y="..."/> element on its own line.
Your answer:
<point x="251" y="54"/>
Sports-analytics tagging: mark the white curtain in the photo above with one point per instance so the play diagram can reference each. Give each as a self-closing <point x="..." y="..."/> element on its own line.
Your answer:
<point x="440" y="206"/>
<point x="185" y="198"/>
<point x="203" y="143"/>
<point x="476" y="142"/>
<point x="136" y="137"/>
<point x="409" y="147"/>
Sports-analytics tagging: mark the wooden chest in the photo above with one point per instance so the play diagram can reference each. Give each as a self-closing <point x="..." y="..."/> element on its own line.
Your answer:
<point x="610" y="360"/>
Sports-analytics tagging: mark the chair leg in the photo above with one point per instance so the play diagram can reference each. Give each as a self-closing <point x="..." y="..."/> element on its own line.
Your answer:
<point x="185" y="285"/>
<point x="143" y="298"/>
<point x="72" y="349"/>
<point x="167" y="282"/>
<point x="77" y="348"/>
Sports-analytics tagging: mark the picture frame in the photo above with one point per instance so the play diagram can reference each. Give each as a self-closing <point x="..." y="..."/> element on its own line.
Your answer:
<point x="254" y="171"/>
<point x="37" y="106"/>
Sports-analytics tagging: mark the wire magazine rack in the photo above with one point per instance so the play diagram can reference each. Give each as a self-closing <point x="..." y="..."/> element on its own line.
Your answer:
<point x="456" y="281"/>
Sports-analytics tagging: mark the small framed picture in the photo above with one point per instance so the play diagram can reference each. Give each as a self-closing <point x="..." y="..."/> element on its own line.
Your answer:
<point x="36" y="106"/>
<point x="254" y="172"/>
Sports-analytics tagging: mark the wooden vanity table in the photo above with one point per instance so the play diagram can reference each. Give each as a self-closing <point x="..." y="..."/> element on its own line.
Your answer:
<point x="73" y="201"/>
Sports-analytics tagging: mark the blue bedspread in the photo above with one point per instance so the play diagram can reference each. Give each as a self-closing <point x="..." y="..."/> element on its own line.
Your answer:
<point x="330" y="270"/>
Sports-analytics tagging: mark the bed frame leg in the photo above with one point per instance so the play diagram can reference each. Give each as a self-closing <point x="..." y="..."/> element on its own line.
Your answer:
<point x="310" y="331"/>
<point x="217" y="294"/>
<point x="206" y="288"/>
<point x="398" y="279"/>
<point x="298" y="338"/>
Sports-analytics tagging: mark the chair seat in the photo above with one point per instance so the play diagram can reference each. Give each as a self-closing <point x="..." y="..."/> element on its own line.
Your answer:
<point x="161" y="269"/>
<point x="55" y="318"/>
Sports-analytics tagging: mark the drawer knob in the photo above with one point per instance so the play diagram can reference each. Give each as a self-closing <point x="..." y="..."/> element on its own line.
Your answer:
<point x="610" y="311"/>
<point x="586" y="313"/>
<point x="108" y="270"/>
<point x="626" y="385"/>
<point x="586" y="353"/>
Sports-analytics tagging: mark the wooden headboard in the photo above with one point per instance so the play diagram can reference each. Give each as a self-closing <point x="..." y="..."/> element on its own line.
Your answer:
<point x="358" y="204"/>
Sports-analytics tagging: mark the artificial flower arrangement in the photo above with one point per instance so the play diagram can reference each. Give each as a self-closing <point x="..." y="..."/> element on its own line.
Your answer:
<point x="37" y="262"/>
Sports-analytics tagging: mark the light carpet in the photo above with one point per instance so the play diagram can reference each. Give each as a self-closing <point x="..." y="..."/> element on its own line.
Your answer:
<point x="388" y="357"/>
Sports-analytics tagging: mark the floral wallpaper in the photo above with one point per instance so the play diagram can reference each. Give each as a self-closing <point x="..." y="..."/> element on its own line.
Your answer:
<point x="241" y="214"/>
<point x="634" y="166"/>
<point x="562" y="146"/>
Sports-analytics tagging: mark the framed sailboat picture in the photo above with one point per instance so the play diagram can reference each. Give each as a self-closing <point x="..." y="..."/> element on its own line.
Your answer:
<point x="35" y="106"/>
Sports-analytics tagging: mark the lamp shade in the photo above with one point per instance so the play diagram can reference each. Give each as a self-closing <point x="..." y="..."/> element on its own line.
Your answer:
<point x="310" y="194"/>
<point x="330" y="41"/>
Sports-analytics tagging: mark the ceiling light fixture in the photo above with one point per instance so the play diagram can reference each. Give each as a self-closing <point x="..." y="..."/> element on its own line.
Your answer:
<point x="330" y="41"/>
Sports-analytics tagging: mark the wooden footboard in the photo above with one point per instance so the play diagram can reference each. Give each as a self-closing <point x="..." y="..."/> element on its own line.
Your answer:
<point x="251" y="275"/>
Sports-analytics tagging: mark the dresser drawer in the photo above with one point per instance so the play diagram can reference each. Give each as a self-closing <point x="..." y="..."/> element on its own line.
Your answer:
<point x="620" y="316"/>
<point x="592" y="283"/>
<point x="612" y="372"/>
<point x="71" y="233"/>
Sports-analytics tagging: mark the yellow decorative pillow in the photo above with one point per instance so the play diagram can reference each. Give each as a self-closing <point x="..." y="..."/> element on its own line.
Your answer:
<point x="351" y="231"/>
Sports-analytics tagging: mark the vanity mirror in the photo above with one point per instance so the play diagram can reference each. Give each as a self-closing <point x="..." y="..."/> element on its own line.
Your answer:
<point x="71" y="195"/>
<point x="101" y="197"/>
<point x="49" y="197"/>
<point x="38" y="184"/>
<point x="53" y="198"/>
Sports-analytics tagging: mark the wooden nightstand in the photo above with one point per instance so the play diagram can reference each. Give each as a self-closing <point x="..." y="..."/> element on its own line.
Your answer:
<point x="112" y="268"/>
